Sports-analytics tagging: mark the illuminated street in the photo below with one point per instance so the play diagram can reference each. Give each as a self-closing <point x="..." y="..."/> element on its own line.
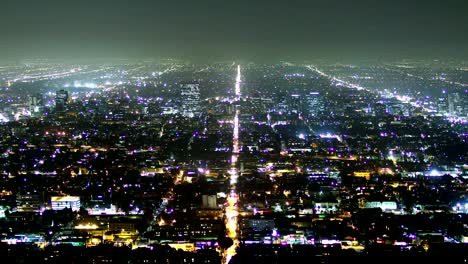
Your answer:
<point x="231" y="207"/>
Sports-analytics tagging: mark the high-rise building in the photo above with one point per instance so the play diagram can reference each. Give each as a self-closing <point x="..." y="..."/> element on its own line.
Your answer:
<point x="295" y="103"/>
<point x="35" y="104"/>
<point x="455" y="104"/>
<point x="61" y="100"/>
<point x="442" y="104"/>
<point x="190" y="93"/>
<point x="314" y="103"/>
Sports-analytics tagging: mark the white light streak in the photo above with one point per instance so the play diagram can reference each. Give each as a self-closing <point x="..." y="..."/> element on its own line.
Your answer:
<point x="231" y="206"/>
<point x="238" y="81"/>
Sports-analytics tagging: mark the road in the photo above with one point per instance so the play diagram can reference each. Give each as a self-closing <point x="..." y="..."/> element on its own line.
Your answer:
<point x="231" y="209"/>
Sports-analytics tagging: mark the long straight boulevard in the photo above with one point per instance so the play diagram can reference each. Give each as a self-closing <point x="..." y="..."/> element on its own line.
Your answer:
<point x="231" y="209"/>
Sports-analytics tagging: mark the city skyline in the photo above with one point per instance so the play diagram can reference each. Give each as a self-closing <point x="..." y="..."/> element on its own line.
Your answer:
<point x="229" y="163"/>
<point x="231" y="132"/>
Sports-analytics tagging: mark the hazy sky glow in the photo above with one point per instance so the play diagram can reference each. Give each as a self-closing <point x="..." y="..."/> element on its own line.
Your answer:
<point x="224" y="29"/>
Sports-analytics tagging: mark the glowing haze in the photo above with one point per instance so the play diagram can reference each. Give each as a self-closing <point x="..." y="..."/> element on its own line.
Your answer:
<point x="241" y="29"/>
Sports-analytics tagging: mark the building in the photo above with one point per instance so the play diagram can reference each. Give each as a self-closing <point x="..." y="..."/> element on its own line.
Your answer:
<point x="209" y="201"/>
<point x="61" y="100"/>
<point x="258" y="223"/>
<point x="295" y="103"/>
<point x="190" y="93"/>
<point x="326" y="207"/>
<point x="384" y="205"/>
<point x="455" y="104"/>
<point x="314" y="103"/>
<point x="123" y="224"/>
<point x="35" y="104"/>
<point x="62" y="202"/>
<point x="29" y="202"/>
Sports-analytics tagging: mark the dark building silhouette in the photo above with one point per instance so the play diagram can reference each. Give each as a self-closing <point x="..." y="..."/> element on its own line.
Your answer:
<point x="61" y="100"/>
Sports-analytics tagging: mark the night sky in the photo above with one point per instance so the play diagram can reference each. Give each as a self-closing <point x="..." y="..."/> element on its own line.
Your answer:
<point x="224" y="30"/>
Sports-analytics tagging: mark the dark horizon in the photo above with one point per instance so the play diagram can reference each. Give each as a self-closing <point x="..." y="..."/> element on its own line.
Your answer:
<point x="209" y="30"/>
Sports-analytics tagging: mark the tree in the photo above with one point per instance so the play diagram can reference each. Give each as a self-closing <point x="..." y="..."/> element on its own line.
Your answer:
<point x="225" y="242"/>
